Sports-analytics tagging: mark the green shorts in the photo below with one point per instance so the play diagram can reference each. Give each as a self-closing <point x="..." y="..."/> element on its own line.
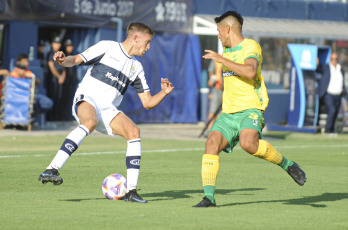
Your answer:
<point x="230" y="125"/>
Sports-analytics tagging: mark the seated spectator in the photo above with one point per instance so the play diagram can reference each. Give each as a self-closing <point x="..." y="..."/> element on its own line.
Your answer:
<point x="42" y="102"/>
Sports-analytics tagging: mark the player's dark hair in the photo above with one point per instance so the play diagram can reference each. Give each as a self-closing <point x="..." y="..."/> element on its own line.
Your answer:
<point x="20" y="57"/>
<point x="141" y="27"/>
<point x="230" y="13"/>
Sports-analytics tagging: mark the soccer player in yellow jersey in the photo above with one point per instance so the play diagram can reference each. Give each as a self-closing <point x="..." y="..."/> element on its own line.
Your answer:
<point x="244" y="101"/>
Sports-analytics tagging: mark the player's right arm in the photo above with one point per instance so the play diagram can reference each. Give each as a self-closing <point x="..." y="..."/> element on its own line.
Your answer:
<point x="247" y="70"/>
<point x="68" y="61"/>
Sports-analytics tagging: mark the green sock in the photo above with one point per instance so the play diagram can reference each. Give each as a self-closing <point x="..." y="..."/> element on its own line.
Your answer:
<point x="209" y="191"/>
<point x="285" y="163"/>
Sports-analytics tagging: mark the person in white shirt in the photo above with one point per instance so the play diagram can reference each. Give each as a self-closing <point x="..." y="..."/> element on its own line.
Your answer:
<point x="331" y="89"/>
<point x="113" y="68"/>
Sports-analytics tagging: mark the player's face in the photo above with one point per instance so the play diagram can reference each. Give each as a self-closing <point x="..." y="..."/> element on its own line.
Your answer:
<point x="222" y="35"/>
<point x="143" y="43"/>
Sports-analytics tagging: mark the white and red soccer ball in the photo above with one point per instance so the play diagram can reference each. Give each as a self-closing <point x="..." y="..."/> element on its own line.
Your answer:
<point x="114" y="187"/>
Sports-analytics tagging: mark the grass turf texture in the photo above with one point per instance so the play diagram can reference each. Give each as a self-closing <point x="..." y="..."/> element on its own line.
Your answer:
<point x="251" y="193"/>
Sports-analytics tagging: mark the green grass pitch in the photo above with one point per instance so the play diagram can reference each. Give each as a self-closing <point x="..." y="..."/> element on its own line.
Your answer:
<point x="251" y="193"/>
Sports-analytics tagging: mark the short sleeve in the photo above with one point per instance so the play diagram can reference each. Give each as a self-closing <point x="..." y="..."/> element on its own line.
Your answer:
<point x="94" y="53"/>
<point x="138" y="81"/>
<point x="253" y="50"/>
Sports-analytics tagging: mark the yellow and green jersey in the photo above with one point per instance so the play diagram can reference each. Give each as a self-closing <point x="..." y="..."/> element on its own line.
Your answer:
<point x="241" y="93"/>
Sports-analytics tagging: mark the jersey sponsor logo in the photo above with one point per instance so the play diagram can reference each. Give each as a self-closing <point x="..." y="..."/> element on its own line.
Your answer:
<point x="116" y="79"/>
<point x="70" y="147"/>
<point x="135" y="162"/>
<point x="229" y="73"/>
<point x="111" y="76"/>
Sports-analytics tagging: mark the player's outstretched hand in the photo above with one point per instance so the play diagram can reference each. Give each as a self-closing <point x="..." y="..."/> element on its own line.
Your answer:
<point x="212" y="55"/>
<point x="166" y="85"/>
<point x="59" y="57"/>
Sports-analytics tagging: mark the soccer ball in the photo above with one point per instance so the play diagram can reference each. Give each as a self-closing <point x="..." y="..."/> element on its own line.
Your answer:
<point x="114" y="186"/>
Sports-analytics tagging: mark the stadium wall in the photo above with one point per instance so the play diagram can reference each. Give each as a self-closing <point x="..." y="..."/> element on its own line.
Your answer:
<point x="282" y="9"/>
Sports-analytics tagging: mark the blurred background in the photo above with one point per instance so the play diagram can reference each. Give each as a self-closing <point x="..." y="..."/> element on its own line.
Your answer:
<point x="183" y="30"/>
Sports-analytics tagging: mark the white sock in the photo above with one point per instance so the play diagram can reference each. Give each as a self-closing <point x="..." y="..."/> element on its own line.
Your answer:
<point x="71" y="143"/>
<point x="133" y="156"/>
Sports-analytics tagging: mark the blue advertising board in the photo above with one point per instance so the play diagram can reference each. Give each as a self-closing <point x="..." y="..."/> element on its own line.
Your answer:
<point x="304" y="102"/>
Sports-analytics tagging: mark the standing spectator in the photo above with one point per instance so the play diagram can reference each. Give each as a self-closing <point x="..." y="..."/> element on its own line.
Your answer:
<point x="331" y="90"/>
<point x="41" y="54"/>
<point x="54" y="81"/>
<point x="216" y="85"/>
<point x="42" y="103"/>
<point x="69" y="85"/>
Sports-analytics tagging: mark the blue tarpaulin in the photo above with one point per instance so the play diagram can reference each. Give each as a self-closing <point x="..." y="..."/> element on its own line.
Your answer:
<point x="178" y="58"/>
<point x="17" y="101"/>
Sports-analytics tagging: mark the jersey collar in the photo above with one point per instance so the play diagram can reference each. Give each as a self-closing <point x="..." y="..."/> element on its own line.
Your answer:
<point x="125" y="53"/>
<point x="236" y="48"/>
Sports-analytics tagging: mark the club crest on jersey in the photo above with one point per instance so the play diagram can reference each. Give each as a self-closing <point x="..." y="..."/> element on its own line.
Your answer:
<point x="117" y="79"/>
<point x="132" y="71"/>
<point x="255" y="122"/>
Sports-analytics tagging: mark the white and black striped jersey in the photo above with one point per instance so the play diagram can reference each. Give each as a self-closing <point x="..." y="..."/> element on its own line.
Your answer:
<point x="110" y="73"/>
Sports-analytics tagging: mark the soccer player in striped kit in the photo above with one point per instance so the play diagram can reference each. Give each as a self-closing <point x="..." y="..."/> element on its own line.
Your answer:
<point x="113" y="68"/>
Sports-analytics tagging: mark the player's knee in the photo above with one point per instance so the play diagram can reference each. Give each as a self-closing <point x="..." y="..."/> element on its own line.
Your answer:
<point x="133" y="132"/>
<point x="90" y="124"/>
<point x="248" y="145"/>
<point x="212" y="145"/>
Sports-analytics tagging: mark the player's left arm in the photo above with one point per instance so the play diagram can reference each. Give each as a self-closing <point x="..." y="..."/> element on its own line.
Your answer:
<point x="247" y="70"/>
<point x="150" y="101"/>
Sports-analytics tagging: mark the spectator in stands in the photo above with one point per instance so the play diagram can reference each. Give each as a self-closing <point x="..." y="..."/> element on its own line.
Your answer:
<point x="331" y="89"/>
<point x="3" y="73"/>
<point x="54" y="82"/>
<point x="70" y="83"/>
<point x="41" y="54"/>
<point x="42" y="103"/>
<point x="215" y="84"/>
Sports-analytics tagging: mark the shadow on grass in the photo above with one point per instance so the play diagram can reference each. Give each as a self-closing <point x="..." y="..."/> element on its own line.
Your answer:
<point x="86" y="199"/>
<point x="308" y="200"/>
<point x="178" y="194"/>
<point x="273" y="135"/>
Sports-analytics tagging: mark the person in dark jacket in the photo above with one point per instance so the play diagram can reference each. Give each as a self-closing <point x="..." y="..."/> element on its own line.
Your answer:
<point x="331" y="89"/>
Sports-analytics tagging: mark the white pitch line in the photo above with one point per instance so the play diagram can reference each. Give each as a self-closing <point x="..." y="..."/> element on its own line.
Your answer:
<point x="175" y="150"/>
<point x="109" y="152"/>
